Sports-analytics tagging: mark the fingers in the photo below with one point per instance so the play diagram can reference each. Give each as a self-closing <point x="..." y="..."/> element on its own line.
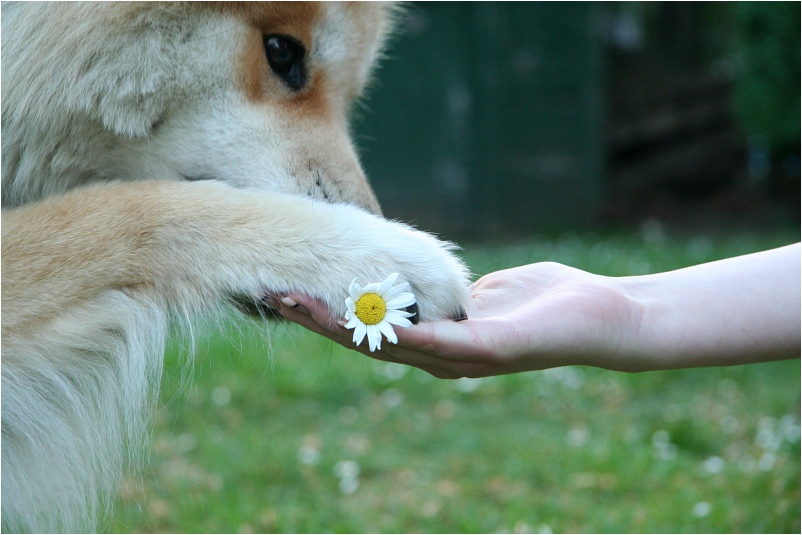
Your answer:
<point x="314" y="315"/>
<point x="443" y="338"/>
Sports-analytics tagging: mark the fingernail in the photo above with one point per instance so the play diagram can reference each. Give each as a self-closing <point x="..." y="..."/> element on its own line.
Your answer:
<point x="289" y="302"/>
<point x="341" y="323"/>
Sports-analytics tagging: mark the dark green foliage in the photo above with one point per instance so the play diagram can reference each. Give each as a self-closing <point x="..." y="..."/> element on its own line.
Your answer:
<point x="767" y="90"/>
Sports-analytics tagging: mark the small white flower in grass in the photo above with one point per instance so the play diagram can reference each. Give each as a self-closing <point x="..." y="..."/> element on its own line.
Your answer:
<point x="701" y="509"/>
<point x="375" y="308"/>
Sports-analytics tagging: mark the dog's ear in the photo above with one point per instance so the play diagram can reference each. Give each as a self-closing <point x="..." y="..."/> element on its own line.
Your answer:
<point x="86" y="59"/>
<point x="130" y="113"/>
<point x="128" y="88"/>
<point x="124" y="62"/>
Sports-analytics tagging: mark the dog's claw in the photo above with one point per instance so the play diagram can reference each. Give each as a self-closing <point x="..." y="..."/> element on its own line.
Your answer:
<point x="461" y="315"/>
<point x="413" y="309"/>
<point x="256" y="308"/>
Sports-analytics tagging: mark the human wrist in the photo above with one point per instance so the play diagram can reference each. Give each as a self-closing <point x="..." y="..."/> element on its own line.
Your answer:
<point x="643" y="322"/>
<point x="667" y="333"/>
<point x="614" y="337"/>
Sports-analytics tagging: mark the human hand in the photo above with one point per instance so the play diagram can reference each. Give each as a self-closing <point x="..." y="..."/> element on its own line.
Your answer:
<point x="526" y="318"/>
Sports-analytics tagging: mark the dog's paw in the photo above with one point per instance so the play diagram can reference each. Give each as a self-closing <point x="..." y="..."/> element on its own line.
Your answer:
<point x="330" y="246"/>
<point x="437" y="277"/>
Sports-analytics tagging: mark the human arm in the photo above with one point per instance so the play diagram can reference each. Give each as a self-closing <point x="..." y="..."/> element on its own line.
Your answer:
<point x="734" y="311"/>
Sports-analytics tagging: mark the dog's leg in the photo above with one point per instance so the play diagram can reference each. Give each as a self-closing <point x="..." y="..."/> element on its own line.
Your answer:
<point x="77" y="399"/>
<point x="91" y="278"/>
<point x="188" y="245"/>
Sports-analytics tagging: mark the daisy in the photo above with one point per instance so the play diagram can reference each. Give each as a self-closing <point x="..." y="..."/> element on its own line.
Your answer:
<point x="375" y="308"/>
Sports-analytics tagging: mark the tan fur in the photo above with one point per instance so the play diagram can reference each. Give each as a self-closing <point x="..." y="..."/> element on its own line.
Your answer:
<point x="154" y="169"/>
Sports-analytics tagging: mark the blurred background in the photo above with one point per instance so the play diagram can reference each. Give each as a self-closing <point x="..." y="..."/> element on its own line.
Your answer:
<point x="491" y="118"/>
<point x="619" y="138"/>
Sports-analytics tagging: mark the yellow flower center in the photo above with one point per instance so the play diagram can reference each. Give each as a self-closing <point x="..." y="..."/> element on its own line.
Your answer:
<point x="370" y="308"/>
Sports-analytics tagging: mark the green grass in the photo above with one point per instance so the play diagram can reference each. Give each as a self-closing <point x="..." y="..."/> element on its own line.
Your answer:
<point x="258" y="440"/>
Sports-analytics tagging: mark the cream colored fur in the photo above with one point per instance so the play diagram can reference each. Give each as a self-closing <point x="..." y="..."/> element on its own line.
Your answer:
<point x="154" y="167"/>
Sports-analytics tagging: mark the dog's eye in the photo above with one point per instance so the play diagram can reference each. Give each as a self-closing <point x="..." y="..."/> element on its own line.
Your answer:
<point x="286" y="59"/>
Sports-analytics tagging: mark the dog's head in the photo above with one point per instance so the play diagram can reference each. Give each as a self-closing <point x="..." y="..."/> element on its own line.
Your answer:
<point x="257" y="95"/>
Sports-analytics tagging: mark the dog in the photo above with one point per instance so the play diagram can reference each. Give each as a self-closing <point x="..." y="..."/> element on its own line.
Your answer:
<point x="160" y="164"/>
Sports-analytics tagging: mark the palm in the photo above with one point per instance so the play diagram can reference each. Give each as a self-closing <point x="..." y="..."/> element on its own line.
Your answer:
<point x="545" y="315"/>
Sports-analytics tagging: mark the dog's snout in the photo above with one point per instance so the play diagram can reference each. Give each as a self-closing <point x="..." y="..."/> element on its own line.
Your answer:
<point x="339" y="184"/>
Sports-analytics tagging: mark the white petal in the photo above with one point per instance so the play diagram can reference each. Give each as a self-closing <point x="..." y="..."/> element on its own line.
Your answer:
<point x="351" y="305"/>
<point x="395" y="290"/>
<point x="387" y="284"/>
<point x="372" y="288"/>
<point x="355" y="291"/>
<point x="402" y="313"/>
<point x="374" y="338"/>
<point x="397" y="319"/>
<point x="352" y="322"/>
<point x="399" y="312"/>
<point x="360" y="332"/>
<point x="388" y="332"/>
<point x="401" y="301"/>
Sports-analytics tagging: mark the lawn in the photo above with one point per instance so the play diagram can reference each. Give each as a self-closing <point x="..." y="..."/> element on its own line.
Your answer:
<point x="288" y="433"/>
